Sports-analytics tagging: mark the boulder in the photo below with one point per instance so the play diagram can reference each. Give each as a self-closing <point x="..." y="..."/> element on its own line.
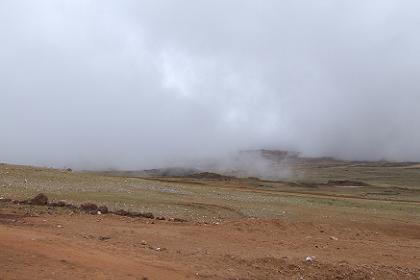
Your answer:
<point x="87" y="206"/>
<point x="103" y="209"/>
<point x="122" y="212"/>
<point x="59" y="203"/>
<point x="147" y="215"/>
<point x="40" y="199"/>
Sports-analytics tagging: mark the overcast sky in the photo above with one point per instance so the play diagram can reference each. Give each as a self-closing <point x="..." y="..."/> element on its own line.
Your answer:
<point x="136" y="84"/>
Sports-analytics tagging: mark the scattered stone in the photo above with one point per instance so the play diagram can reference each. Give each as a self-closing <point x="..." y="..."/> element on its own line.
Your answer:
<point x="102" y="238"/>
<point x="179" y="220"/>
<point x="61" y="203"/>
<point x="122" y="212"/>
<point x="40" y="199"/>
<point x="57" y="204"/>
<point x="89" y="207"/>
<point x="71" y="206"/>
<point x="147" y="215"/>
<point x="103" y="209"/>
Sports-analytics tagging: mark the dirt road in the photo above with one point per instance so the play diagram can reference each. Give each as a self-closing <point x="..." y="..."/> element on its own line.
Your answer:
<point x="35" y="244"/>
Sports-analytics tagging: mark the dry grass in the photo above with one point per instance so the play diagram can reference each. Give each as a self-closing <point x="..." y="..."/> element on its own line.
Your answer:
<point x="213" y="200"/>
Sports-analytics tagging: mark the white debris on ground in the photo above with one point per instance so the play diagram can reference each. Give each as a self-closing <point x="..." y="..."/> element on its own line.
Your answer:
<point x="310" y="259"/>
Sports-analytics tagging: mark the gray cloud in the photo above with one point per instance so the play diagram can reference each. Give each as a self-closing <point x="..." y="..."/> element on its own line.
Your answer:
<point x="133" y="84"/>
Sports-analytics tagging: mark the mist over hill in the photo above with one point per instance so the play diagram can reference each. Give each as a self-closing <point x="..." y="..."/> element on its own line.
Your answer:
<point x="142" y="84"/>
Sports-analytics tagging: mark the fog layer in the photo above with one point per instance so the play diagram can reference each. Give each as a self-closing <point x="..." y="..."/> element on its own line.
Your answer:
<point x="138" y="84"/>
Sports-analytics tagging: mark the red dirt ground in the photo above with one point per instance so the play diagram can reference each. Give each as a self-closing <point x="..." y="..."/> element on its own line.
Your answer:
<point x="63" y="245"/>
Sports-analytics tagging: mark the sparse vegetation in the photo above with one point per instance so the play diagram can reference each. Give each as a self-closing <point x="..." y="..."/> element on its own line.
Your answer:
<point x="355" y="218"/>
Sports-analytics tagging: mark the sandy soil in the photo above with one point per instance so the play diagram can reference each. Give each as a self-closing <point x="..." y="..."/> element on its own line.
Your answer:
<point x="45" y="244"/>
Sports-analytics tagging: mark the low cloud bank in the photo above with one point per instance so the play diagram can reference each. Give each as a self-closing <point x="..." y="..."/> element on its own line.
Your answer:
<point x="140" y="84"/>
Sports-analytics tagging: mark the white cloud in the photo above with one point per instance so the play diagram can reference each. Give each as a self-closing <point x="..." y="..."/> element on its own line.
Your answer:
<point x="137" y="83"/>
